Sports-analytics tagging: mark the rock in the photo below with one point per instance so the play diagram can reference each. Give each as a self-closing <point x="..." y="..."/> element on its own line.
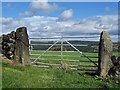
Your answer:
<point x="11" y="40"/>
<point x="12" y="56"/>
<point x="5" y="38"/>
<point x="22" y="46"/>
<point x="9" y="52"/>
<point x="118" y="60"/>
<point x="105" y="54"/>
<point x="15" y="46"/>
<point x="8" y="45"/>
<point x="6" y="60"/>
<point x="12" y="49"/>
<point x="12" y="35"/>
<point x="114" y="60"/>
<point x="117" y="82"/>
<point x="115" y="70"/>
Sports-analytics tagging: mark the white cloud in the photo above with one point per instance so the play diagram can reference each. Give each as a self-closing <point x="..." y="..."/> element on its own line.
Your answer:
<point x="27" y="13"/>
<point x="40" y="6"/>
<point x="98" y="23"/>
<point x="6" y="20"/>
<point x="43" y="26"/>
<point x="65" y="15"/>
<point x="43" y="6"/>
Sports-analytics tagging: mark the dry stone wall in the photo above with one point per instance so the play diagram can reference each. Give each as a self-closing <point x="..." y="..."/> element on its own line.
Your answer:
<point x="8" y="45"/>
<point x="114" y="72"/>
<point x="0" y="44"/>
<point x="15" y="46"/>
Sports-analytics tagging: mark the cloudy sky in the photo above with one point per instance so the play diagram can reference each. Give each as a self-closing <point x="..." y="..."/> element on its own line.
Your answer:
<point x="50" y="19"/>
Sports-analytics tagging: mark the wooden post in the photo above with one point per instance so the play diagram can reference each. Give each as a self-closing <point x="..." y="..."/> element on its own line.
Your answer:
<point x="105" y="54"/>
<point x="22" y="46"/>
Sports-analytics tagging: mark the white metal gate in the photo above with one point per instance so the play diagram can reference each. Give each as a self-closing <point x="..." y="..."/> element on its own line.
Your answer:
<point x="38" y="56"/>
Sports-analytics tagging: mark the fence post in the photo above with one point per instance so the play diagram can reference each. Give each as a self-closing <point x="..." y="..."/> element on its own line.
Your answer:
<point x="105" y="54"/>
<point x="61" y="48"/>
<point x="22" y="46"/>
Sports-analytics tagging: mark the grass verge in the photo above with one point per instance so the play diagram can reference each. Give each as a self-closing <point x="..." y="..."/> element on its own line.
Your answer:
<point x="29" y="77"/>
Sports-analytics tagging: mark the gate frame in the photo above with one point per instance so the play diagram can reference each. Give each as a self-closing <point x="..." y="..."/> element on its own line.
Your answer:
<point x="61" y="40"/>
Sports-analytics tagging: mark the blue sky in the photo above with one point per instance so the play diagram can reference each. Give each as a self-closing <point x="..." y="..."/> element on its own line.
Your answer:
<point x="70" y="18"/>
<point x="80" y="9"/>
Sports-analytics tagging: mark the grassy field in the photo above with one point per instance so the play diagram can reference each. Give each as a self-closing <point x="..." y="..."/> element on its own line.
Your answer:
<point x="55" y="57"/>
<point x="70" y="58"/>
<point x="32" y="77"/>
<point x="0" y="75"/>
<point x="66" y="56"/>
<point x="29" y="77"/>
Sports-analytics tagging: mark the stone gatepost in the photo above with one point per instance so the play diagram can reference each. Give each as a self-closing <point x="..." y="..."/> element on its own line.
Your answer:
<point x="105" y="54"/>
<point x="22" y="46"/>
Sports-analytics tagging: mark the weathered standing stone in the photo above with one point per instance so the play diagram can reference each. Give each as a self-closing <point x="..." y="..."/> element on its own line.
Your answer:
<point x="22" y="46"/>
<point x="105" y="54"/>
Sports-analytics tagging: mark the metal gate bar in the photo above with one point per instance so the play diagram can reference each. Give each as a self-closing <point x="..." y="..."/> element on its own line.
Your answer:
<point x="45" y="51"/>
<point x="82" y="53"/>
<point x="61" y="55"/>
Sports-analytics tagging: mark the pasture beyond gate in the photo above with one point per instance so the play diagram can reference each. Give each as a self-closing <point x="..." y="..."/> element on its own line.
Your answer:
<point x="66" y="52"/>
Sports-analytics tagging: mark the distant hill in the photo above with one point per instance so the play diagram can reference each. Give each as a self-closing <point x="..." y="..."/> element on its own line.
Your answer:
<point x="85" y="46"/>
